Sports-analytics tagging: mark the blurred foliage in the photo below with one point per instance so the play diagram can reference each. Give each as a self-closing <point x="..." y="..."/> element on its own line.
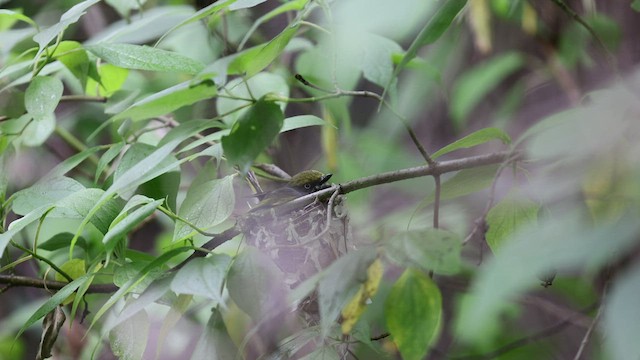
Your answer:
<point x="132" y="131"/>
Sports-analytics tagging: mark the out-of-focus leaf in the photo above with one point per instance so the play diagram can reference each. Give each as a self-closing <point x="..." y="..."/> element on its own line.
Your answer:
<point x="288" y="6"/>
<point x="138" y="57"/>
<point x="215" y="342"/>
<point x="323" y="353"/>
<point x="9" y="17"/>
<point x="480" y="20"/>
<point x="621" y="320"/>
<point x="465" y="182"/>
<point x="476" y="83"/>
<point x="431" y="249"/>
<point x="255" y="284"/>
<point x="340" y="282"/>
<point x="203" y="13"/>
<point x="412" y="312"/>
<point x="128" y="340"/>
<point x="437" y="25"/>
<point x="203" y="277"/>
<point x="207" y="204"/>
<point x="252" y="133"/>
<point x="352" y="311"/>
<point x="474" y="139"/>
<point x="507" y="217"/>
<point x="565" y="241"/>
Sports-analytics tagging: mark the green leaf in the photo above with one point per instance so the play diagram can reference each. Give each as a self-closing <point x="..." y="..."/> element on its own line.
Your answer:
<point x="168" y="100"/>
<point x="412" y="312"/>
<point x="61" y="241"/>
<point x="74" y="268"/>
<point x="109" y="80"/>
<point x="129" y="339"/>
<point x="507" y="217"/>
<point x="472" y="87"/>
<point x="71" y="162"/>
<point x="254" y="60"/>
<point x="474" y="139"/>
<point x="121" y="227"/>
<point x="255" y="284"/>
<point x="252" y="133"/>
<point x="340" y="282"/>
<point x="74" y="58"/>
<point x="635" y="5"/>
<point x="203" y="277"/>
<point x="54" y="301"/>
<point x="106" y="158"/>
<point x="44" y="37"/>
<point x="215" y="342"/>
<point x="300" y="121"/>
<point x="79" y="204"/>
<point x="621" y="318"/>
<point x="431" y="249"/>
<point x="567" y="240"/>
<point x="42" y="96"/>
<point x="145" y="58"/>
<point x="9" y="17"/>
<point x="437" y="25"/>
<point x="207" y="204"/>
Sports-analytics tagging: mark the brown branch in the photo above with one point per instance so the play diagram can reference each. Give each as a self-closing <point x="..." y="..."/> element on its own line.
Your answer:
<point x="85" y="98"/>
<point x="542" y="334"/>
<point x="14" y="280"/>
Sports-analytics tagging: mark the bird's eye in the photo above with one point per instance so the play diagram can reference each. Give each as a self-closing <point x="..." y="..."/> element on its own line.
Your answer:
<point x="307" y="186"/>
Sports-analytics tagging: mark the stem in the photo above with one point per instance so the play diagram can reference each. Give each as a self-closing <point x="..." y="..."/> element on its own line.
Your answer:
<point x="49" y="262"/>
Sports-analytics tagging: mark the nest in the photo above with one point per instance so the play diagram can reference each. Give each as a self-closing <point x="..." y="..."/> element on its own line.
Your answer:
<point x="302" y="242"/>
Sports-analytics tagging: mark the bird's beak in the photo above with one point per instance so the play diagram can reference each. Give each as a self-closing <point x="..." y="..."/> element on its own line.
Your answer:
<point x="325" y="178"/>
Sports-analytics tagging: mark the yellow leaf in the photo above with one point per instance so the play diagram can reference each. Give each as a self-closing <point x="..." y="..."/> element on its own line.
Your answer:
<point x="352" y="311"/>
<point x="480" y="20"/>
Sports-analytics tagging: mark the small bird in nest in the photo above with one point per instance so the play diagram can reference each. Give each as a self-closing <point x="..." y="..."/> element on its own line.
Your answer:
<point x="303" y="183"/>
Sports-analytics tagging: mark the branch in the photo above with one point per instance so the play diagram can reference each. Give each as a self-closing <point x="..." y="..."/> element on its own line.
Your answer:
<point x="398" y="175"/>
<point x="13" y="280"/>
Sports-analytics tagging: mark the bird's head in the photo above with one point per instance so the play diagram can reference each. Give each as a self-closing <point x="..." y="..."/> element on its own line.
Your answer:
<point x="309" y="181"/>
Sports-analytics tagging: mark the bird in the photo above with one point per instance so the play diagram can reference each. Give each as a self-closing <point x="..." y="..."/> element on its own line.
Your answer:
<point x="303" y="183"/>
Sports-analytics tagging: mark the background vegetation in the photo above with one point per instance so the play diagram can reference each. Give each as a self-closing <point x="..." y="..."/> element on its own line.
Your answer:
<point x="487" y="149"/>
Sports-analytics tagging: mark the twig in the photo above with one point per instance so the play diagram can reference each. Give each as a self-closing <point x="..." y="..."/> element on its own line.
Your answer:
<point x="83" y="98"/>
<point x="14" y="280"/>
<point x="340" y="93"/>
<point x="544" y="333"/>
<point x="49" y="262"/>
<point x="572" y="14"/>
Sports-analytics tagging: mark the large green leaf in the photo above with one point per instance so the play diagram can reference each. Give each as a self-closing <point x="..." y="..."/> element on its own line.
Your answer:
<point x="412" y="312"/>
<point x="475" y="84"/>
<point x="42" y="96"/>
<point x="44" y="192"/>
<point x="145" y="58"/>
<point x="252" y="133"/>
<point x="16" y="226"/>
<point x="507" y="217"/>
<point x="474" y="139"/>
<point x="126" y="223"/>
<point x="300" y="121"/>
<point x="437" y="25"/>
<point x="207" y="204"/>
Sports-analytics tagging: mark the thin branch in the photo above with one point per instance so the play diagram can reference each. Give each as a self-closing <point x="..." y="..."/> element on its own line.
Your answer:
<point x="542" y="334"/>
<point x="13" y="280"/>
<point x="572" y="14"/>
<point x="340" y="93"/>
<point x="41" y="258"/>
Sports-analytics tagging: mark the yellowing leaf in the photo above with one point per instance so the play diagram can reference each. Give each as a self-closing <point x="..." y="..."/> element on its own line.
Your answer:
<point x="352" y="311"/>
